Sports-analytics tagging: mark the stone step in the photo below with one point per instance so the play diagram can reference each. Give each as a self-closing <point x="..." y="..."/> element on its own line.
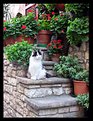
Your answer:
<point x="55" y="106"/>
<point x="45" y="87"/>
<point x="48" y="63"/>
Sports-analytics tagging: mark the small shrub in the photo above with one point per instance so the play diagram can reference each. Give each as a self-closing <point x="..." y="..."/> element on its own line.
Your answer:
<point x="83" y="100"/>
<point x="19" y="52"/>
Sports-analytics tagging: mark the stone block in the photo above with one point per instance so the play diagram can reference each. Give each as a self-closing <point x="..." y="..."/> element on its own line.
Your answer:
<point x="12" y="81"/>
<point x="67" y="90"/>
<point x="13" y="73"/>
<point x="48" y="112"/>
<point x="20" y="88"/>
<point x="86" y="55"/>
<point x="73" y="114"/>
<point x="9" y="71"/>
<point x="19" y="102"/>
<point x="58" y="91"/>
<point x="63" y="110"/>
<point x="74" y="108"/>
<point x="18" y="114"/>
<point x="21" y="73"/>
<point x="8" y="88"/>
<point x="38" y="92"/>
<point x="19" y="109"/>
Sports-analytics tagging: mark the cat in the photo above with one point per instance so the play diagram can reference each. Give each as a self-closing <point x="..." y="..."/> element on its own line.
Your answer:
<point x="35" y="69"/>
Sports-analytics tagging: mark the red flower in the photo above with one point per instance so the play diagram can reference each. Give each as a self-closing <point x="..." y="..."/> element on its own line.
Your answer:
<point x="4" y="20"/>
<point x="29" y="11"/>
<point x="56" y="19"/>
<point x="59" y="40"/>
<point x="49" y="18"/>
<point x="23" y="27"/>
<point x="48" y="15"/>
<point x="54" y="41"/>
<point x="4" y="29"/>
<point x="53" y="13"/>
<point x="49" y="44"/>
<point x="55" y="47"/>
<point x="60" y="47"/>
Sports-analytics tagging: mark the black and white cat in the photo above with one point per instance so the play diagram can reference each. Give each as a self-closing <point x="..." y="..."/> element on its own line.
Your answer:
<point x="35" y="69"/>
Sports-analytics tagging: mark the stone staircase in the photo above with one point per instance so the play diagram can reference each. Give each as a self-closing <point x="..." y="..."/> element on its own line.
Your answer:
<point x="50" y="97"/>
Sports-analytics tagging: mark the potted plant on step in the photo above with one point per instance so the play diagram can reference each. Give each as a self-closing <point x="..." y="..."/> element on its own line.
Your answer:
<point x="81" y="78"/>
<point x="55" y="49"/>
<point x="44" y="33"/>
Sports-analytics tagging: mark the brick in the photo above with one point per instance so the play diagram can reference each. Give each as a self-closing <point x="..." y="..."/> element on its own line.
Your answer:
<point x="14" y="73"/>
<point x="86" y="55"/>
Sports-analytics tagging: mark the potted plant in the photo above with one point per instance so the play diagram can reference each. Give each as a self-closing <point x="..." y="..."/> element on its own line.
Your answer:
<point x="80" y="82"/>
<point x="55" y="49"/>
<point x="65" y="65"/>
<point x="21" y="28"/>
<point x="83" y="100"/>
<point x="78" y="31"/>
<point x="44" y="33"/>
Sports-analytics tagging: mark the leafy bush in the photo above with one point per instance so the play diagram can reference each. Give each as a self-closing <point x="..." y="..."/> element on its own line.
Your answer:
<point x="19" y="52"/>
<point x="79" y="9"/>
<point x="25" y="25"/>
<point x="68" y="66"/>
<point x="82" y="75"/>
<point x="78" y="30"/>
<point x="83" y="100"/>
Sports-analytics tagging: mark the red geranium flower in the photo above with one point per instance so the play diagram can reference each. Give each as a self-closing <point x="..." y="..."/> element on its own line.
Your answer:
<point x="48" y="14"/>
<point x="54" y="41"/>
<point x="60" y="47"/>
<point x="59" y="40"/>
<point x="35" y="18"/>
<point x="53" y="13"/>
<point x="49" y="44"/>
<point x="49" y="18"/>
<point x="54" y="47"/>
<point x="30" y="11"/>
<point x="23" y="27"/>
<point x="56" y="19"/>
<point x="4" y="28"/>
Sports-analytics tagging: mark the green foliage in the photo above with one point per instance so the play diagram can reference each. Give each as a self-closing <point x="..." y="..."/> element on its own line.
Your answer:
<point x="59" y="23"/>
<point x="78" y="30"/>
<point x="82" y="75"/>
<point x="83" y="100"/>
<point x="14" y="27"/>
<point x="19" y="52"/>
<point x="43" y="24"/>
<point x="79" y="9"/>
<point x="70" y="67"/>
<point x="55" y="46"/>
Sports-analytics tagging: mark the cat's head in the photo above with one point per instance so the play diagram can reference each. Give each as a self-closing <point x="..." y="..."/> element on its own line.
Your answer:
<point x="37" y="54"/>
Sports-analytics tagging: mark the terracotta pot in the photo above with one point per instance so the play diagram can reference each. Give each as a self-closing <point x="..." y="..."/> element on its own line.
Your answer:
<point x="80" y="87"/>
<point x="60" y="7"/>
<point x="43" y="38"/>
<point x="9" y="41"/>
<point x="30" y="40"/>
<point x="55" y="57"/>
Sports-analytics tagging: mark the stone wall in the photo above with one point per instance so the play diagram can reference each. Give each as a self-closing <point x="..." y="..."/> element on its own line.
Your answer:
<point x="82" y="52"/>
<point x="16" y="92"/>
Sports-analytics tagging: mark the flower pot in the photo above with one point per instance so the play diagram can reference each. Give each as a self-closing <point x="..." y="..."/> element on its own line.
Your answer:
<point x="55" y="57"/>
<point x="9" y="41"/>
<point x="43" y="38"/>
<point x="80" y="87"/>
<point x="60" y="7"/>
<point x="30" y="40"/>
